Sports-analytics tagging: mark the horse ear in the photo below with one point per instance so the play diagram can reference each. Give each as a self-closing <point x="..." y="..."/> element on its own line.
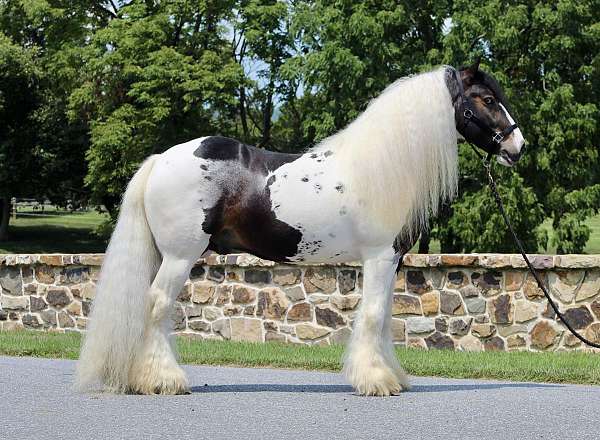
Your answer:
<point x="474" y="68"/>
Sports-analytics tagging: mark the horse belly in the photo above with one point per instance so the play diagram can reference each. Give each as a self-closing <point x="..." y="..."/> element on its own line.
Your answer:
<point x="247" y="220"/>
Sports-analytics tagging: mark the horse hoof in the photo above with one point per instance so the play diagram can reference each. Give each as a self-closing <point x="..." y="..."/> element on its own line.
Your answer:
<point x="379" y="389"/>
<point x="172" y="391"/>
<point x="378" y="380"/>
<point x="171" y="382"/>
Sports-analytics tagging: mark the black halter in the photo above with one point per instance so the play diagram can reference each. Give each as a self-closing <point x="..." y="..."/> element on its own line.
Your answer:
<point x="465" y="109"/>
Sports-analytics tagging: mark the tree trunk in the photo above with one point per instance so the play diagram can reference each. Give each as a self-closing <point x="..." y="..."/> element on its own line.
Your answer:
<point x="243" y="117"/>
<point x="4" y="217"/>
<point x="111" y="204"/>
<point x="267" y="114"/>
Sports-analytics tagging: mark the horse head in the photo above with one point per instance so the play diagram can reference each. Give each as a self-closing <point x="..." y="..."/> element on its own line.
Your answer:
<point x="483" y="117"/>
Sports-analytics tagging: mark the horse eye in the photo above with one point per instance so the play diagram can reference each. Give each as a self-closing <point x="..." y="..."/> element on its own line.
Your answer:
<point x="488" y="100"/>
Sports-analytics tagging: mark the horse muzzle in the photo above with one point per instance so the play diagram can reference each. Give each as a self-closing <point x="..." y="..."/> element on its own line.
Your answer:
<point x="507" y="155"/>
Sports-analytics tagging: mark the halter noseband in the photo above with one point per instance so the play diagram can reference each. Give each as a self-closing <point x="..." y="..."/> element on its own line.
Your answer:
<point x="468" y="116"/>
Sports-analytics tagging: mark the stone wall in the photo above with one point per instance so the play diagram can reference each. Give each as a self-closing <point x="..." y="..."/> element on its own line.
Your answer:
<point x="462" y="302"/>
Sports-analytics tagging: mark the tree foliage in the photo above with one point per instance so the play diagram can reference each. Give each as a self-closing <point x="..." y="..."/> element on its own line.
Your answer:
<point x="546" y="54"/>
<point x="52" y="32"/>
<point x="19" y="101"/>
<point x="96" y="86"/>
<point x="158" y="75"/>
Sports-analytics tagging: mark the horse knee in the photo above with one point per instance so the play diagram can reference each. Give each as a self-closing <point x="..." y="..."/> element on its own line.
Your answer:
<point x="161" y="304"/>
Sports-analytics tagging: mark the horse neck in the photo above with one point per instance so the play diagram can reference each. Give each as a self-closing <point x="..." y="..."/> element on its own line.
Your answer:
<point x="400" y="156"/>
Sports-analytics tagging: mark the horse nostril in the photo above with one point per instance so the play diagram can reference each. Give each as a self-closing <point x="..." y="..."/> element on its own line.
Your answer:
<point x="515" y="156"/>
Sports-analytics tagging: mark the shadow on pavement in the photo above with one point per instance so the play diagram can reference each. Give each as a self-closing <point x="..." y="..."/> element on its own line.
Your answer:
<point x="270" y="387"/>
<point x="476" y="386"/>
<point x="288" y="388"/>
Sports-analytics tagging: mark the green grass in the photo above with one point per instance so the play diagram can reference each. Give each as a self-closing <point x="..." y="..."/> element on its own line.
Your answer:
<point x="38" y="344"/>
<point x="54" y="231"/>
<point x="591" y="247"/>
<point x="582" y="368"/>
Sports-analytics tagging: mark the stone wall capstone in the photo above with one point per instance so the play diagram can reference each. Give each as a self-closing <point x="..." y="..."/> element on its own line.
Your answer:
<point x="475" y="302"/>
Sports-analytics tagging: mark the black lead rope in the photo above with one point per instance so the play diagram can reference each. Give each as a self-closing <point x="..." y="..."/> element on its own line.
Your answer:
<point x="488" y="168"/>
<point x="497" y="137"/>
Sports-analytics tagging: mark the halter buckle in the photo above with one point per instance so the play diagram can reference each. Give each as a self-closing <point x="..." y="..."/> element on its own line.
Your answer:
<point x="498" y="137"/>
<point x="468" y="113"/>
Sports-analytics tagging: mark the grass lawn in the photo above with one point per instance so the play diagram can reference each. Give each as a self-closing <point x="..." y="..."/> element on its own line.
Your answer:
<point x="592" y="246"/>
<point x="54" y="231"/>
<point x="582" y="368"/>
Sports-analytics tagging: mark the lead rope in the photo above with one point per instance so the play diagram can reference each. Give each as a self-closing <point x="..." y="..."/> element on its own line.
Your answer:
<point x="488" y="168"/>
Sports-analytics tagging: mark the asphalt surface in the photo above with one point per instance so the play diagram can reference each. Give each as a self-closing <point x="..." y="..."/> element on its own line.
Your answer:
<point x="37" y="402"/>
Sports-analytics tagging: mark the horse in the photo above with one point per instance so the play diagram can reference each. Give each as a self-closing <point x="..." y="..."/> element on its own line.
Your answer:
<point x="363" y="194"/>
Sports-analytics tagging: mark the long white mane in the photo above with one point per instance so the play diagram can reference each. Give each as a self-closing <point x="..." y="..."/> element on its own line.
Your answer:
<point x="401" y="154"/>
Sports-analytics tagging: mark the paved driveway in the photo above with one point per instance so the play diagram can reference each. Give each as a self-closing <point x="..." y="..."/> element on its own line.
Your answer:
<point x="242" y="403"/>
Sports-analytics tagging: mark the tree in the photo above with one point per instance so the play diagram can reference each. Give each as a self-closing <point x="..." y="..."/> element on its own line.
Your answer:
<point x="46" y="158"/>
<point x="19" y="100"/>
<point x="157" y="75"/>
<point x="546" y="56"/>
<point x="261" y="44"/>
<point x="346" y="53"/>
<point x="105" y="84"/>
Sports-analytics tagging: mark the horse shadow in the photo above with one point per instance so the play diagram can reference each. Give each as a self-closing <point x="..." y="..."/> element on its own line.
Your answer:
<point x="347" y="389"/>
<point x="272" y="388"/>
<point x="441" y="388"/>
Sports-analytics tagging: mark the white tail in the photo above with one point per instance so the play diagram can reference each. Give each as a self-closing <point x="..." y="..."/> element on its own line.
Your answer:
<point x="117" y="322"/>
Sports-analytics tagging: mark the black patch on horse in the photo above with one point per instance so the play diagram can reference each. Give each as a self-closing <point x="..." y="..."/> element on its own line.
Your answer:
<point x="252" y="158"/>
<point x="403" y="243"/>
<point x="246" y="223"/>
<point x="451" y="84"/>
<point x="218" y="148"/>
<point x="242" y="220"/>
<point x="491" y="83"/>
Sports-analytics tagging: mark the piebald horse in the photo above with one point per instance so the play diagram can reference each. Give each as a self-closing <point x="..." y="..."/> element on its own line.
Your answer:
<point x="363" y="194"/>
